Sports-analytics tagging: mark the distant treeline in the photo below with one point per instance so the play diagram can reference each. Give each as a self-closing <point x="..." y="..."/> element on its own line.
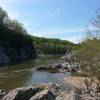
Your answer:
<point x="52" y="46"/>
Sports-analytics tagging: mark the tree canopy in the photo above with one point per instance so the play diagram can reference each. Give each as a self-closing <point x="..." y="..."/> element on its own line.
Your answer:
<point x="89" y="53"/>
<point x="52" y="46"/>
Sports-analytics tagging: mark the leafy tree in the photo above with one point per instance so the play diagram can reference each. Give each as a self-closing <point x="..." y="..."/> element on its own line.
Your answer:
<point x="52" y="46"/>
<point x="17" y="26"/>
<point x="88" y="56"/>
<point x="3" y="15"/>
<point x="17" y="44"/>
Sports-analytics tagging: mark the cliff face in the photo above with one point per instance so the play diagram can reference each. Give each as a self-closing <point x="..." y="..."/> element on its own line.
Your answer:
<point x="15" y="47"/>
<point x="4" y="59"/>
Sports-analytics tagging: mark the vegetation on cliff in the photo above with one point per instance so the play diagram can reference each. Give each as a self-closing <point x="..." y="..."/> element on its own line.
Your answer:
<point x="15" y="44"/>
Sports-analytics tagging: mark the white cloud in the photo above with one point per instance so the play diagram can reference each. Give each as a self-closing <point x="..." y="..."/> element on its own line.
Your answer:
<point x="65" y="32"/>
<point x="60" y="31"/>
<point x="74" y="39"/>
<point x="13" y="15"/>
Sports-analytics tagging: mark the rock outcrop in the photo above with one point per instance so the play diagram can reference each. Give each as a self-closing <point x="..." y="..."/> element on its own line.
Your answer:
<point x="44" y="95"/>
<point x="21" y="93"/>
<point x="42" y="91"/>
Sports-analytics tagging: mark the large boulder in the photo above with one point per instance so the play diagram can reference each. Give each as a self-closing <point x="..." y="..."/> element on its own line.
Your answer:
<point x="55" y="88"/>
<point x="23" y="93"/>
<point x="38" y="91"/>
<point x="44" y="95"/>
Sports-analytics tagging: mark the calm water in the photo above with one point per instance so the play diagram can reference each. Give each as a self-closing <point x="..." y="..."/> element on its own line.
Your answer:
<point x="25" y="74"/>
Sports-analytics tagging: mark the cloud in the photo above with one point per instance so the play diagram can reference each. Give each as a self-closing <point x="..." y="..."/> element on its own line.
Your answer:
<point x="65" y="34"/>
<point x="60" y="31"/>
<point x="13" y="15"/>
<point x="74" y="39"/>
<point x="72" y="35"/>
<point x="67" y="31"/>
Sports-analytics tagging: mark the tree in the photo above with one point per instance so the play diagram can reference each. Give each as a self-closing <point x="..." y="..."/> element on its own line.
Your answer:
<point x="88" y="56"/>
<point x="12" y="24"/>
<point x="3" y="15"/>
<point x="17" y="26"/>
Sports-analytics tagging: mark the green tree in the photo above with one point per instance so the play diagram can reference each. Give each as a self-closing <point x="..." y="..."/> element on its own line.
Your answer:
<point x="3" y="15"/>
<point x="17" y="26"/>
<point x="88" y="56"/>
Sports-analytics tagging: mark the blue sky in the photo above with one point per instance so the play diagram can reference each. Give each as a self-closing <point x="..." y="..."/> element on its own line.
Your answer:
<point x="63" y="19"/>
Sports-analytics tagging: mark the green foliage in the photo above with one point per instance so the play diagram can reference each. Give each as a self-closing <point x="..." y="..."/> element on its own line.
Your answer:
<point x="3" y="15"/>
<point x="15" y="41"/>
<point x="88" y="55"/>
<point x="11" y="24"/>
<point x="52" y="46"/>
<point x="17" y="26"/>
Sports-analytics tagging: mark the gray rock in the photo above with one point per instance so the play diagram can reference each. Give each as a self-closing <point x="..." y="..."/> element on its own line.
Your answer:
<point x="57" y="66"/>
<point x="44" y="95"/>
<point x="56" y="89"/>
<point x="89" y="97"/>
<point x="2" y="93"/>
<point x="23" y="93"/>
<point x="73" y="96"/>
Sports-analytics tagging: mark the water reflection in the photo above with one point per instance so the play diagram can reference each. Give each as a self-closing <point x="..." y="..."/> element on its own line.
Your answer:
<point x="45" y="77"/>
<point x="25" y="74"/>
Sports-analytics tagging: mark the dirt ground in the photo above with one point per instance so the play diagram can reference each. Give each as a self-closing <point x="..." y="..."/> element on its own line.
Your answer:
<point x="76" y="82"/>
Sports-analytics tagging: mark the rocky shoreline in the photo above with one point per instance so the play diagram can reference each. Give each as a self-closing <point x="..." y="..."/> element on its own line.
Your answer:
<point x="65" y="64"/>
<point x="39" y="91"/>
<point x="59" y="67"/>
<point x="45" y="91"/>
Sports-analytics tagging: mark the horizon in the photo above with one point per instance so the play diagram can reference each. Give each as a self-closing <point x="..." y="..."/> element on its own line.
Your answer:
<point x="61" y="19"/>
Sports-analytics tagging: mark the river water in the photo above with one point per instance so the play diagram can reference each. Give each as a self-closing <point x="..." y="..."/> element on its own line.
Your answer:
<point x="25" y="74"/>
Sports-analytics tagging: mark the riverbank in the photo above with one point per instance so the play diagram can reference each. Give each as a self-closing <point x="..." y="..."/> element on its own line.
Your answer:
<point x="76" y="82"/>
<point x="39" y="91"/>
<point x="45" y="91"/>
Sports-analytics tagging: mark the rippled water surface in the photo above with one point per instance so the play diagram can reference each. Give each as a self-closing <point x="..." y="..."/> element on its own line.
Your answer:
<point x="25" y="74"/>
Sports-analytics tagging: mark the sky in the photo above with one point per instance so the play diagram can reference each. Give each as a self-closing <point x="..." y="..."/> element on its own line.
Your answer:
<point x="63" y="19"/>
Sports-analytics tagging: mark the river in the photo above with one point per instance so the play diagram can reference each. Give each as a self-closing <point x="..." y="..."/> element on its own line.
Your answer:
<point x="25" y="74"/>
